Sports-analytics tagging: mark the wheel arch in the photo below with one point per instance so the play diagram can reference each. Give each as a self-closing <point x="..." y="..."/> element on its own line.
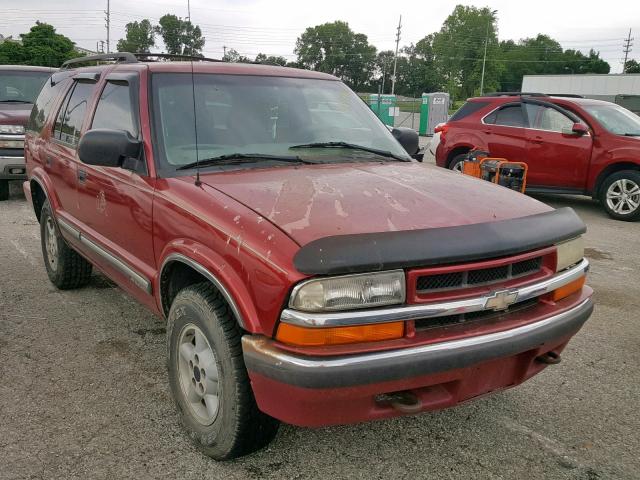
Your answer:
<point x="459" y="150"/>
<point x="179" y="271"/>
<point x="610" y="170"/>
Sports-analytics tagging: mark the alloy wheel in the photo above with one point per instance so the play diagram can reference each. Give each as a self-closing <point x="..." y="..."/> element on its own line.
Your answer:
<point x="623" y="196"/>
<point x="51" y="244"/>
<point x="198" y="374"/>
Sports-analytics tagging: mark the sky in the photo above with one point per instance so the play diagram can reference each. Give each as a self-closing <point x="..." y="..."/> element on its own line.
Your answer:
<point x="272" y="26"/>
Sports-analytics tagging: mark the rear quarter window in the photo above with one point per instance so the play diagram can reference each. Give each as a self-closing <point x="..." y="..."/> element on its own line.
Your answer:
<point x="468" y="109"/>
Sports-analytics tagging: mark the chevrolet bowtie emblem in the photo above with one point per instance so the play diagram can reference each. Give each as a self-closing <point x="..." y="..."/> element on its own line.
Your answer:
<point x="501" y="300"/>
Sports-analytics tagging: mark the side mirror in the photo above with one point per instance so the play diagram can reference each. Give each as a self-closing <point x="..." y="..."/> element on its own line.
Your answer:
<point x="408" y="138"/>
<point x="577" y="130"/>
<point x="108" y="148"/>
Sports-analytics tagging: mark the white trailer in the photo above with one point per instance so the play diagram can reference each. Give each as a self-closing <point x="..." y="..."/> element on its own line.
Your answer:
<point x="623" y="89"/>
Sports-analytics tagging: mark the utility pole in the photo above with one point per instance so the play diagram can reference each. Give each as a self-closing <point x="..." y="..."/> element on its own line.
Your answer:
<point x="395" y="59"/>
<point x="108" y="20"/>
<point x="627" y="50"/>
<point x="224" y="49"/>
<point x="484" y="59"/>
<point x="486" y="42"/>
<point x="189" y="10"/>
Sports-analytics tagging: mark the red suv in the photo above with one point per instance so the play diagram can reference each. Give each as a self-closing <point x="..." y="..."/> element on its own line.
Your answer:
<point x="310" y="271"/>
<point x="19" y="87"/>
<point x="571" y="145"/>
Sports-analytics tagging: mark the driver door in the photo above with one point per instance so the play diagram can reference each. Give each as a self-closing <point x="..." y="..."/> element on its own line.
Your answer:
<point x="557" y="157"/>
<point x="115" y="204"/>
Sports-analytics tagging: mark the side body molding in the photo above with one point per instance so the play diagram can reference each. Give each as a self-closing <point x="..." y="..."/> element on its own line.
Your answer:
<point x="178" y="257"/>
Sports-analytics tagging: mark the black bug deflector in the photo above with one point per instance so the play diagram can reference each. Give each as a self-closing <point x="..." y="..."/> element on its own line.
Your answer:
<point x="436" y="246"/>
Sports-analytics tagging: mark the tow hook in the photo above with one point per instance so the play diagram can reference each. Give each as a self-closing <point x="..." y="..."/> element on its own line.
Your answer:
<point x="404" y="402"/>
<point x="549" y="358"/>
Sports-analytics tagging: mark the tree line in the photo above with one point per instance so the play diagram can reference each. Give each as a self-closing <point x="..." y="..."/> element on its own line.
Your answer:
<point x="451" y="59"/>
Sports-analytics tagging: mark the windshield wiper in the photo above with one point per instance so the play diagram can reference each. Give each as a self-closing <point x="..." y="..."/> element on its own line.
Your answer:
<point x="631" y="134"/>
<point x="352" y="146"/>
<point x="233" y="158"/>
<point x="15" y="101"/>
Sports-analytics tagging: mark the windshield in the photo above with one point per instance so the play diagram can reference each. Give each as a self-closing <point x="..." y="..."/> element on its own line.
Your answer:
<point x="243" y="114"/>
<point x="21" y="87"/>
<point x="615" y="119"/>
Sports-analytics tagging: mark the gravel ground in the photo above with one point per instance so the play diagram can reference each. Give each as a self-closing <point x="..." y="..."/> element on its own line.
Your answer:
<point x="84" y="394"/>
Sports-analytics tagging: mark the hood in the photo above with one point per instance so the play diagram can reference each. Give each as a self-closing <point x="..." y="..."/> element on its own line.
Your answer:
<point x="15" y="113"/>
<point x="311" y="202"/>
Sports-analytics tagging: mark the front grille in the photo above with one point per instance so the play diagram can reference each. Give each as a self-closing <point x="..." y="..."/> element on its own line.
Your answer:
<point x="482" y="276"/>
<point x="449" y="320"/>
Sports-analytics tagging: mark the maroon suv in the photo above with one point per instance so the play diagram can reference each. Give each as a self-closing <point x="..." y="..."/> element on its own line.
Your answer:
<point x="309" y="270"/>
<point x="19" y="87"/>
<point x="571" y="145"/>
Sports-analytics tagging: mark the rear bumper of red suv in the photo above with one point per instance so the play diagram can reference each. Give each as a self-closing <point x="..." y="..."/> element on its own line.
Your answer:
<point x="318" y="391"/>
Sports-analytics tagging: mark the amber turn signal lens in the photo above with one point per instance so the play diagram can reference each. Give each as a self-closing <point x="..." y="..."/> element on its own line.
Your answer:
<point x="316" y="337"/>
<point x="568" y="289"/>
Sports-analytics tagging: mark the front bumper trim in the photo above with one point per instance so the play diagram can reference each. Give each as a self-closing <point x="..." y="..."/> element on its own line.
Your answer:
<point x="262" y="356"/>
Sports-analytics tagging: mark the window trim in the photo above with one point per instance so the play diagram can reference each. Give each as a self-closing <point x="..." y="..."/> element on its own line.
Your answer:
<point x="560" y="109"/>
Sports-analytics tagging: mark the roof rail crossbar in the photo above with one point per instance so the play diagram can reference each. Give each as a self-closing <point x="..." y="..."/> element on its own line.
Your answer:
<point x="175" y="55"/>
<point x="515" y="94"/>
<point x="121" y="57"/>
<point x="568" y="95"/>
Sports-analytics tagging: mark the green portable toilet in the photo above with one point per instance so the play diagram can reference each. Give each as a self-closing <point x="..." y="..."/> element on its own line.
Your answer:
<point x="387" y="106"/>
<point x="433" y="110"/>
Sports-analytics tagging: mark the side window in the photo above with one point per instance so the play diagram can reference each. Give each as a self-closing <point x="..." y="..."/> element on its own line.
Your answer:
<point x="114" y="109"/>
<point x="60" y="117"/>
<point x="43" y="105"/>
<point x="555" y="121"/>
<point x="69" y="124"/>
<point x="510" y="116"/>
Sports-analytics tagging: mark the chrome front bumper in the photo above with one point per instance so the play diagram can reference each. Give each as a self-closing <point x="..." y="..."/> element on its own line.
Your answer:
<point x="12" y="168"/>
<point x="262" y="356"/>
<point x="432" y="310"/>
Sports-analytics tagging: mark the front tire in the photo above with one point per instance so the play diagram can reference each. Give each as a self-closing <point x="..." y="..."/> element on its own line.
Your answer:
<point x="620" y="195"/>
<point x="66" y="268"/>
<point x="208" y="378"/>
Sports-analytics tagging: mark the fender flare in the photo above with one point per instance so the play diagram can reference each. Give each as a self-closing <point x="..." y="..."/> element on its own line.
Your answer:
<point x="217" y="278"/>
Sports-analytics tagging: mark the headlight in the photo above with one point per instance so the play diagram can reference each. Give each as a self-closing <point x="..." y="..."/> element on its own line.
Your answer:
<point x="349" y="292"/>
<point x="12" y="129"/>
<point x="569" y="253"/>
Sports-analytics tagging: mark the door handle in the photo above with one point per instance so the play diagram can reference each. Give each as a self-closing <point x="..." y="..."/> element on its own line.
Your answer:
<point x="488" y="132"/>
<point x="537" y="140"/>
<point x="82" y="175"/>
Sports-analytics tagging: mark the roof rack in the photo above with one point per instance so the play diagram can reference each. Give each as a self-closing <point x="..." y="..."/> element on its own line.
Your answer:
<point x="568" y="95"/>
<point x="145" y="55"/>
<point x="532" y="94"/>
<point x="127" y="57"/>
<point x="121" y="57"/>
<point x="515" y="94"/>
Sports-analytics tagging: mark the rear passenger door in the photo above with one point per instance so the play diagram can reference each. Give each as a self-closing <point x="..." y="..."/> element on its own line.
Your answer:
<point x="504" y="132"/>
<point x="61" y="162"/>
<point x="116" y="202"/>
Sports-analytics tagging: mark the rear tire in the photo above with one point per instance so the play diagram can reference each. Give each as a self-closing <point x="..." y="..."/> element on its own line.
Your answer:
<point x="208" y="378"/>
<point x="66" y="268"/>
<point x="456" y="163"/>
<point x="4" y="190"/>
<point x="620" y="195"/>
